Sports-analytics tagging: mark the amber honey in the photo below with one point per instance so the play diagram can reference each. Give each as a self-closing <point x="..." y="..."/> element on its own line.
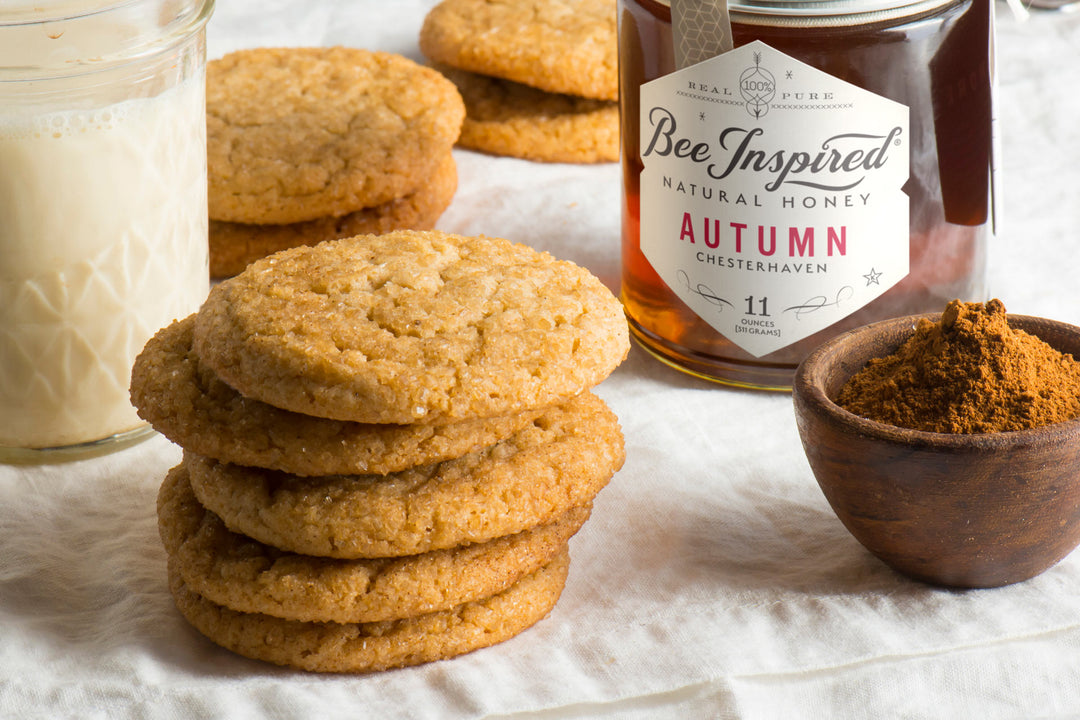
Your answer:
<point x="933" y="57"/>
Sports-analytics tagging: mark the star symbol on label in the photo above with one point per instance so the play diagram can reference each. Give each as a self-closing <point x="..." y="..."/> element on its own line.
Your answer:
<point x="790" y="74"/>
<point x="872" y="277"/>
<point x="701" y="116"/>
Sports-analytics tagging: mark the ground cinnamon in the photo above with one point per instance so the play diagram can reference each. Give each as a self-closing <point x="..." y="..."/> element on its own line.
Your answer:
<point x="968" y="373"/>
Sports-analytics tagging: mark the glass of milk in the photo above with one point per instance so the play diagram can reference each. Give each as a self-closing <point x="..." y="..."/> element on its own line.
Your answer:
<point x="103" y="218"/>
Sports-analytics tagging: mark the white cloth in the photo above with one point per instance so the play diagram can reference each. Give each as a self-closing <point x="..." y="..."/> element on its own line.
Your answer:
<point x="712" y="581"/>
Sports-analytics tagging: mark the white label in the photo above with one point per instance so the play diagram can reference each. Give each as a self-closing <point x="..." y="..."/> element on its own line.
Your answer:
<point x="771" y="198"/>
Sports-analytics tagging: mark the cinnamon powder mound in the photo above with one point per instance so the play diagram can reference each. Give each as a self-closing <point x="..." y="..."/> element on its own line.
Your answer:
<point x="968" y="373"/>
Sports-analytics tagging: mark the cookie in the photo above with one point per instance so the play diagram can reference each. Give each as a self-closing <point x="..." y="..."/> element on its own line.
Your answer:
<point x="559" y="462"/>
<point x="369" y="647"/>
<point x="245" y="575"/>
<point x="515" y="120"/>
<point x="411" y="326"/>
<point x="561" y="46"/>
<point x="233" y="246"/>
<point x="297" y="134"/>
<point x="186" y="402"/>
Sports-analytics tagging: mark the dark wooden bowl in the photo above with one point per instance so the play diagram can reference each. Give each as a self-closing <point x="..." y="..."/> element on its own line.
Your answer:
<point x="958" y="510"/>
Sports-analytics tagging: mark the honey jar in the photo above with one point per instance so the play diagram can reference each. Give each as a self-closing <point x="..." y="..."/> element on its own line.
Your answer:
<point x="792" y="170"/>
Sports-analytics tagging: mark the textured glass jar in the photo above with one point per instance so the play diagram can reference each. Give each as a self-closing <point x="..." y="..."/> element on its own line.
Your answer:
<point x="935" y="57"/>
<point x="103" y="218"/>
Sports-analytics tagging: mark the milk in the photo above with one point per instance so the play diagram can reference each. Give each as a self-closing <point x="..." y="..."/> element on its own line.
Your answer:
<point x="103" y="227"/>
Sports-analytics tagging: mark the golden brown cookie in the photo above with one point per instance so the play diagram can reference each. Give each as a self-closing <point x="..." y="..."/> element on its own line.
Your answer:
<point x="243" y="574"/>
<point x="233" y="246"/>
<point x="368" y="647"/>
<point x="559" y="462"/>
<point x="296" y="134"/>
<point x="186" y="402"/>
<point x="411" y="326"/>
<point x="561" y="46"/>
<point x="515" y="120"/>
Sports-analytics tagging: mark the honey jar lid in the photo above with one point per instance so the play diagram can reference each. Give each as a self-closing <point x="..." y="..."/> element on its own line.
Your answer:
<point x="818" y="8"/>
<point x="824" y="12"/>
<point x="867" y="10"/>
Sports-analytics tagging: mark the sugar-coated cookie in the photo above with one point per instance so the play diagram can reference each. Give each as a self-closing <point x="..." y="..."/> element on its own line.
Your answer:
<point x="234" y="246"/>
<point x="243" y="574"/>
<point x="187" y="403"/>
<point x="369" y="647"/>
<point x="297" y="134"/>
<point x="560" y="461"/>
<point x="411" y="326"/>
<point x="507" y="118"/>
<point x="561" y="46"/>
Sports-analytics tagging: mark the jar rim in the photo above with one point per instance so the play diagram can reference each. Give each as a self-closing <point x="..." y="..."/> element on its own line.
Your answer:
<point x="67" y="38"/>
<point x="830" y="8"/>
<point x="834" y="7"/>
<point x="28" y="12"/>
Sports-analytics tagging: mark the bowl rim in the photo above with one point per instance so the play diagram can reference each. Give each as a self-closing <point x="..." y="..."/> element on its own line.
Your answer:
<point x="808" y="381"/>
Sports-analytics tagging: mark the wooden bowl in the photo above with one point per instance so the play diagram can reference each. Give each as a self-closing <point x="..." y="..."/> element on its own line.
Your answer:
<point x="958" y="510"/>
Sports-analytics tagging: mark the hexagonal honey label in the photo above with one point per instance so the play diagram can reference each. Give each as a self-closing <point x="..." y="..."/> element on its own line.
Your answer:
<point x="771" y="195"/>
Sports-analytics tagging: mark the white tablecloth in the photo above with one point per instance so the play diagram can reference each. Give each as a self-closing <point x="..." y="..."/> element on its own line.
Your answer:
<point x="713" y="580"/>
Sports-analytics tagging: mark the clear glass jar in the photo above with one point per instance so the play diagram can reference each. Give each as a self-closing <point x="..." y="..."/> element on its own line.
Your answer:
<point x="933" y="56"/>
<point x="103" y="216"/>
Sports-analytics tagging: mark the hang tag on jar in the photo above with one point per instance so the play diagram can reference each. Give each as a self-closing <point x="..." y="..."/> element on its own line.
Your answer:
<point x="701" y="30"/>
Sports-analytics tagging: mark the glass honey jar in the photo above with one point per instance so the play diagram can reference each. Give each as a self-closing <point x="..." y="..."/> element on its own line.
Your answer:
<point x="832" y="167"/>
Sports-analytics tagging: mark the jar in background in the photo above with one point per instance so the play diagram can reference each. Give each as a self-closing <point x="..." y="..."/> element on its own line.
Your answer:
<point x="103" y="216"/>
<point x="759" y="217"/>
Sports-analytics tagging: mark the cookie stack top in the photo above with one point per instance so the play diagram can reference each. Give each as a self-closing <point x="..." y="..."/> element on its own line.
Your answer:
<point x="411" y="326"/>
<point x="296" y="134"/>
<point x="539" y="77"/>
<point x="312" y="144"/>
<point x="559" y="46"/>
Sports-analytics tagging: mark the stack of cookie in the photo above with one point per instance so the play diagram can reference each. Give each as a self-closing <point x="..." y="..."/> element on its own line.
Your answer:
<point x="311" y="144"/>
<point x="388" y="441"/>
<point x="539" y="78"/>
